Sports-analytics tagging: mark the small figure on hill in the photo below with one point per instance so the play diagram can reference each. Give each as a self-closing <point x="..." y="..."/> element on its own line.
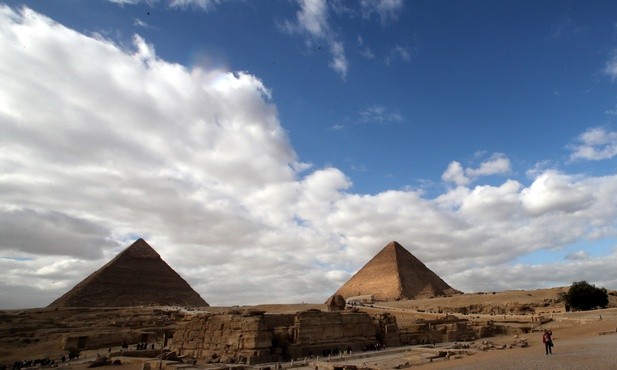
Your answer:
<point x="547" y="339"/>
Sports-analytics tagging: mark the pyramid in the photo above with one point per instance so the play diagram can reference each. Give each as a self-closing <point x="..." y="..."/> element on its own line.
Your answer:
<point x="394" y="274"/>
<point x="137" y="276"/>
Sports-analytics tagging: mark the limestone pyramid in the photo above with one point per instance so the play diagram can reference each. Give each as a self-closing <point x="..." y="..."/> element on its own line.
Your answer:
<point x="393" y="274"/>
<point x="137" y="276"/>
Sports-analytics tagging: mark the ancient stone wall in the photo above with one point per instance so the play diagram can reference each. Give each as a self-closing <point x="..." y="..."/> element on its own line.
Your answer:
<point x="255" y="337"/>
<point x="95" y="340"/>
<point x="319" y="333"/>
<point x="436" y="331"/>
<point x="226" y="338"/>
<point x="387" y="330"/>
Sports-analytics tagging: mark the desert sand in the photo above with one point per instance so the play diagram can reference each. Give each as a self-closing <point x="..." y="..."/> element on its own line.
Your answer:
<point x="589" y="345"/>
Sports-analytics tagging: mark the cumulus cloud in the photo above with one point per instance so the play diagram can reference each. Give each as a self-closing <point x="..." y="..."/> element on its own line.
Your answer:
<point x="455" y="173"/>
<point x="497" y="164"/>
<point x="595" y="144"/>
<point x="94" y="155"/>
<point x="556" y="192"/>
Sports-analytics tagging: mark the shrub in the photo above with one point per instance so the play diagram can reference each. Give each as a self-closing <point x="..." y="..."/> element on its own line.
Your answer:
<point x="584" y="296"/>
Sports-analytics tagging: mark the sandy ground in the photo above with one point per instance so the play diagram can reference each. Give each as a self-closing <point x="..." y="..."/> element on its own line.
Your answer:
<point x="579" y="347"/>
<point x="587" y="346"/>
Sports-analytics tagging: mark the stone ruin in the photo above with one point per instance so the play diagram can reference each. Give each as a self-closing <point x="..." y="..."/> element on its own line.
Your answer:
<point x="447" y="329"/>
<point x="252" y="337"/>
<point x="336" y="302"/>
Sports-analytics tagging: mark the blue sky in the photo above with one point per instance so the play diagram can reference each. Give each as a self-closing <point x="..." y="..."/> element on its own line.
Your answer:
<point x="451" y="79"/>
<point x="481" y="135"/>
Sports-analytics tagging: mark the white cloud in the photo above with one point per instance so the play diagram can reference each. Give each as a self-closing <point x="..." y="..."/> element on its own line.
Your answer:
<point x="122" y="2"/>
<point x="497" y="164"/>
<point x="93" y="155"/>
<point x="140" y="23"/>
<point x="205" y="5"/>
<point x="556" y="192"/>
<point x="577" y="256"/>
<point x="387" y="10"/>
<point x="495" y="278"/>
<point x="379" y="114"/>
<point x="610" y="68"/>
<point x="455" y="173"/>
<point x="132" y="145"/>
<point x="365" y="51"/>
<point x="312" y="23"/>
<point x="595" y="144"/>
<point x="398" y="53"/>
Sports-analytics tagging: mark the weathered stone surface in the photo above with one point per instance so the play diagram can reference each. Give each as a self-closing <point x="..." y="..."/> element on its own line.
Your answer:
<point x="225" y="337"/>
<point x="448" y="329"/>
<point x="135" y="277"/>
<point x="393" y="274"/>
<point x="336" y="302"/>
<point x="240" y="338"/>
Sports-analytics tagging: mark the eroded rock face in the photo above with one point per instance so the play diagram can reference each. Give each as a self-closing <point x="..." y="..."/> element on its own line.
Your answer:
<point x="224" y="338"/>
<point x="241" y="338"/>
<point x="336" y="302"/>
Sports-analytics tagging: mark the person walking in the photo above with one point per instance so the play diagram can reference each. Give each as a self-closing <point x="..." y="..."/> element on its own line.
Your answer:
<point x="547" y="339"/>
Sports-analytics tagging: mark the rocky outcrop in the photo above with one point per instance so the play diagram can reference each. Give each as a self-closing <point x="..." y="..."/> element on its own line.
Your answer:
<point x="336" y="302"/>
<point x="227" y="338"/>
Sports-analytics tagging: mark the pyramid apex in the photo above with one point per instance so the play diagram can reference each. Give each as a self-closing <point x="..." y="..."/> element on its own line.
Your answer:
<point x="140" y="249"/>
<point x="394" y="244"/>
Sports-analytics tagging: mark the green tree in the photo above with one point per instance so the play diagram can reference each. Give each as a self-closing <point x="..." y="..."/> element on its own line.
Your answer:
<point x="584" y="296"/>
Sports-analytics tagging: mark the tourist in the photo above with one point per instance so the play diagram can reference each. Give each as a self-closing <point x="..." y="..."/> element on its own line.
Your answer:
<point x="547" y="339"/>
